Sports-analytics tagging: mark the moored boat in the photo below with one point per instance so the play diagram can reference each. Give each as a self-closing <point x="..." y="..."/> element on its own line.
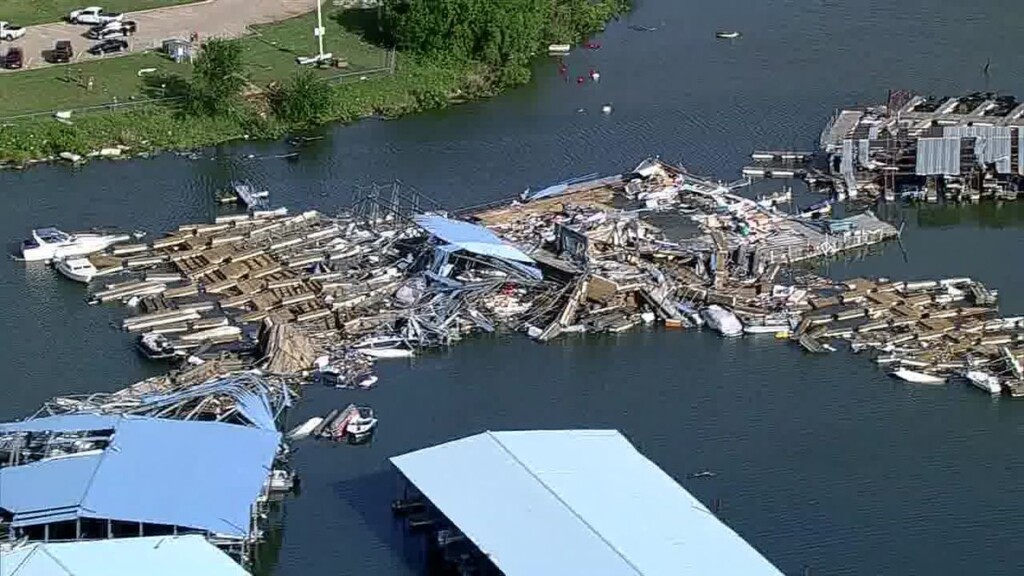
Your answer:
<point x="77" y="268"/>
<point x="53" y="244"/>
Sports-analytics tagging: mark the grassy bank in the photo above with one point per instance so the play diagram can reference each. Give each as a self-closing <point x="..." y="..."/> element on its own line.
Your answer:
<point x="419" y="82"/>
<point x="28" y="12"/>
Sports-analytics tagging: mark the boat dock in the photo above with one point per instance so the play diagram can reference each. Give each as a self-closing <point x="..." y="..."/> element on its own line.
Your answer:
<point x="562" y="502"/>
<point x="917" y="147"/>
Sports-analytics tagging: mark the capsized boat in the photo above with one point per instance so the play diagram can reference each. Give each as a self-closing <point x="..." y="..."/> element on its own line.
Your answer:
<point x="385" y="347"/>
<point x="984" y="381"/>
<point x="53" y="244"/>
<point x="917" y="377"/>
<point x="77" y="268"/>
<point x="722" y="320"/>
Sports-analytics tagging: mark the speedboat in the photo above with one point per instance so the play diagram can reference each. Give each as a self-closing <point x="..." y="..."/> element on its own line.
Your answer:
<point x="360" y="426"/>
<point x="917" y="377"/>
<point x="984" y="381"/>
<point x="52" y="244"/>
<point x="727" y="35"/>
<point x="722" y="320"/>
<point x="77" y="268"/>
<point x="156" y="346"/>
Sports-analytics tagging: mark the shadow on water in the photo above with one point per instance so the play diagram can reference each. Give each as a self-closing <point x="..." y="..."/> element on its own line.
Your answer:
<point x="987" y="214"/>
<point x="370" y="496"/>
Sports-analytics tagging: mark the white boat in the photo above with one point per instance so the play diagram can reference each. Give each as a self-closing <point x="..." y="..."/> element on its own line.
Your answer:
<point x="722" y="320"/>
<point x="917" y="377"/>
<point x="156" y="346"/>
<point x="765" y="328"/>
<point x="77" y="268"/>
<point x="984" y="381"/>
<point x="216" y="333"/>
<point x="52" y="244"/>
<point x="385" y="347"/>
<point x="360" y="425"/>
<point x="727" y="35"/>
<point x="280" y="481"/>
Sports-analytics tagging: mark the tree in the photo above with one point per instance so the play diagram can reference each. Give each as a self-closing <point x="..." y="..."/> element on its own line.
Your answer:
<point x="503" y="34"/>
<point x="217" y="78"/>
<point x="305" y="99"/>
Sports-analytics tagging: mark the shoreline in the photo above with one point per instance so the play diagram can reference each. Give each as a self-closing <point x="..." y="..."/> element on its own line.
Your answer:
<point x="417" y="83"/>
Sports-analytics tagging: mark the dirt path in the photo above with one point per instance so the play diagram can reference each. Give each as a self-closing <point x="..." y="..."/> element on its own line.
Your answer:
<point x="213" y="18"/>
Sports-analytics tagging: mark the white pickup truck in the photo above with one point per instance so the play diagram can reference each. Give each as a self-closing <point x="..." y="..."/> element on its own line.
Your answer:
<point x="94" y="15"/>
<point x="9" y="31"/>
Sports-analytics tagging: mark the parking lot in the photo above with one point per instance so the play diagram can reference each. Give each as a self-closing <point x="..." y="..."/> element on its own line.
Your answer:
<point x="212" y="18"/>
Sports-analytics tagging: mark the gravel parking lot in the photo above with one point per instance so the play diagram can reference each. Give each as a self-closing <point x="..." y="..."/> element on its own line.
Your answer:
<point x="212" y="18"/>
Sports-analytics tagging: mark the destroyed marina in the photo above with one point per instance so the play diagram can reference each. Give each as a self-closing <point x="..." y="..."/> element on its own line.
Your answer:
<point x="249" y="308"/>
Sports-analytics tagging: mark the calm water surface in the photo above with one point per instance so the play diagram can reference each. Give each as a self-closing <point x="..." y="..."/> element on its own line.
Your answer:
<point x="821" y="461"/>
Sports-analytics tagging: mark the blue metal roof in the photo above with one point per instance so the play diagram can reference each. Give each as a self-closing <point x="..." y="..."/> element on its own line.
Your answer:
<point x="575" y="502"/>
<point x="470" y="237"/>
<point x="201" y="475"/>
<point x="154" y="556"/>
<point x="66" y="423"/>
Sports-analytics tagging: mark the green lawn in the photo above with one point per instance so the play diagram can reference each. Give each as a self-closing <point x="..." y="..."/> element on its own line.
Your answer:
<point x="61" y="87"/>
<point x="269" y="55"/>
<point x="271" y="52"/>
<point x="26" y="12"/>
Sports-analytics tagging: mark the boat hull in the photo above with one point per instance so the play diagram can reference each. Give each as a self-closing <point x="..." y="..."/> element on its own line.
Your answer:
<point x="984" y="382"/>
<point x="917" y="377"/>
<point x="83" y="274"/>
<point x="81" y="246"/>
<point x="386" y="352"/>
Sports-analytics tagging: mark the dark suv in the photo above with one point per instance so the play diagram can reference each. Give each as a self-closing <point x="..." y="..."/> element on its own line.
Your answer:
<point x="15" y="58"/>
<point x="62" y="52"/>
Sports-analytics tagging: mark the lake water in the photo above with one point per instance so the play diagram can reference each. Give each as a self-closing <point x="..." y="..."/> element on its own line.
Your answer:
<point x="822" y="461"/>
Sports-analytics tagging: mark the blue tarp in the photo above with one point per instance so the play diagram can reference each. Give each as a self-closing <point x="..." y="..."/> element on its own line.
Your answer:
<point x="153" y="556"/>
<point x="201" y="475"/>
<point x="575" y="502"/>
<point x="470" y="237"/>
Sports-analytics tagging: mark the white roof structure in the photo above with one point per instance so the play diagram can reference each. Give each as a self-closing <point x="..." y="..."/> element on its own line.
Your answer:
<point x="575" y="502"/>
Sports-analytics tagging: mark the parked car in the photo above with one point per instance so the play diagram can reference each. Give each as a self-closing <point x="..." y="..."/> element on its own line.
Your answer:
<point x="14" y="59"/>
<point x="108" y="47"/>
<point x="94" y="15"/>
<point x="9" y="31"/>
<point x="115" y="29"/>
<point x="62" y="52"/>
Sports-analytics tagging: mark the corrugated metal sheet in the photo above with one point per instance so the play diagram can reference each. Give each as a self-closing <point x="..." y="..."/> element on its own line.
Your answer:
<point x="1020" y="152"/>
<point x="849" y="152"/>
<point x="937" y="156"/>
<point x="991" y="144"/>
<point x="575" y="502"/>
<point x="158" y="556"/>
<point x="863" y="148"/>
<point x="471" y="237"/>
<point x="201" y="475"/>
